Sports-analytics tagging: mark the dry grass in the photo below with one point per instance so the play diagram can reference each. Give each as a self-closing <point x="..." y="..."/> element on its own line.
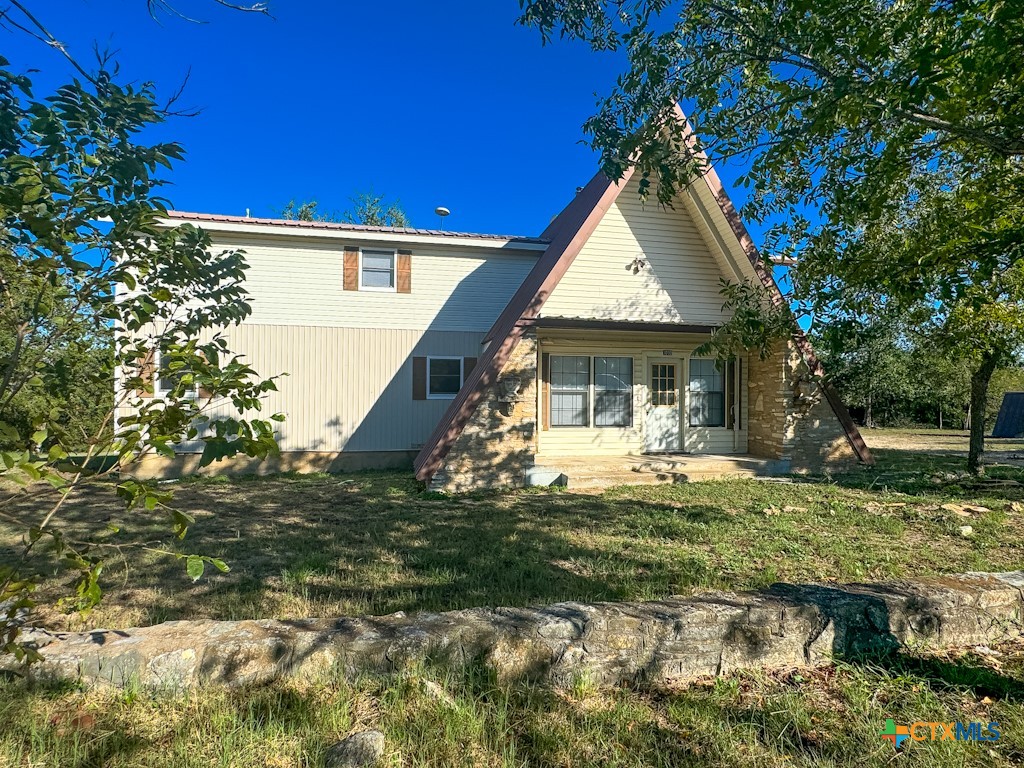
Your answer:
<point x="806" y="718"/>
<point x="374" y="543"/>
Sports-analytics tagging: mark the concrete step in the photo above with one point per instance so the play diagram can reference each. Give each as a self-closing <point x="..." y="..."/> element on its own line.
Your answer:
<point x="605" y="472"/>
<point x="610" y="479"/>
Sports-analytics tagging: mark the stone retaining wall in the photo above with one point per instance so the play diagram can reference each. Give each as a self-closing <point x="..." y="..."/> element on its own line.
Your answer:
<point x="654" y="643"/>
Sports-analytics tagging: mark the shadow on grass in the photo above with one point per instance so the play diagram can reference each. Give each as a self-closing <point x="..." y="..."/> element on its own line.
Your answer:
<point x="373" y="543"/>
<point x="917" y="474"/>
<point x="965" y="673"/>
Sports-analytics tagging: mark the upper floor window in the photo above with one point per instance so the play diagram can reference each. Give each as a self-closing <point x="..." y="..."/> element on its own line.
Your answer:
<point x="376" y="270"/>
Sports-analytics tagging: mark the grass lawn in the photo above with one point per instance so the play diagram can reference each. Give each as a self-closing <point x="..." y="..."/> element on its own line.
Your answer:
<point x="373" y="543"/>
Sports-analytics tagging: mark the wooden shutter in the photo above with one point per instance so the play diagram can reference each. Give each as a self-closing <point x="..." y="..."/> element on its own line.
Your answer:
<point x="403" y="272"/>
<point x="545" y="400"/>
<point x="204" y="392"/>
<point x="468" y="364"/>
<point x="147" y="370"/>
<point x="351" y="277"/>
<point x="419" y="378"/>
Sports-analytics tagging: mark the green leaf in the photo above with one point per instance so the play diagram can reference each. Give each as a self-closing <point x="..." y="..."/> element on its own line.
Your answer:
<point x="220" y="565"/>
<point x="194" y="567"/>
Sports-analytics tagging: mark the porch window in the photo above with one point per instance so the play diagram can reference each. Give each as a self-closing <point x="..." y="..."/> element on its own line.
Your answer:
<point x="570" y="390"/>
<point x="707" y="393"/>
<point x="590" y="391"/>
<point x="613" y="391"/>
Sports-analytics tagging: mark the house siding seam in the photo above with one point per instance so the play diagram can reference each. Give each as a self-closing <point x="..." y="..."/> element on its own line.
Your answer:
<point x="307" y="284"/>
<point x="347" y="389"/>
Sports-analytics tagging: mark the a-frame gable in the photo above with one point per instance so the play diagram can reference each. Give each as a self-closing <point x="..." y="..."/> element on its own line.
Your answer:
<point x="645" y="262"/>
<point x="730" y="244"/>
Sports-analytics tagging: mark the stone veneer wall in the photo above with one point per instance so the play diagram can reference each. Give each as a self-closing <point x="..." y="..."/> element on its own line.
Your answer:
<point x="808" y="433"/>
<point x="499" y="443"/>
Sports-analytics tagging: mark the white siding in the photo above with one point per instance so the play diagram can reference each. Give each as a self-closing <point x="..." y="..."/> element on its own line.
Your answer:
<point x="347" y="388"/>
<point x="298" y="282"/>
<point x="680" y="282"/>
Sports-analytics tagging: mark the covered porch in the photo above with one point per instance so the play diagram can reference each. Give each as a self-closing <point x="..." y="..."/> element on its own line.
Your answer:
<point x="637" y="394"/>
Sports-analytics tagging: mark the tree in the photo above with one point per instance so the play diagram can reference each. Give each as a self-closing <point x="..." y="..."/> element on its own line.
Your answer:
<point x="367" y="208"/>
<point x="895" y="368"/>
<point x="88" y="272"/>
<point x="884" y="140"/>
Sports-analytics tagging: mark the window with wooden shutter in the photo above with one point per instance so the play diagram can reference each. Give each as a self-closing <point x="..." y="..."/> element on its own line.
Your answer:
<point x="444" y="377"/>
<point x="377" y="270"/>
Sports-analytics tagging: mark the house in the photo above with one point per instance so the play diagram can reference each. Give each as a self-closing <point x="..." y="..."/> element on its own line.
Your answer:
<point x="490" y="360"/>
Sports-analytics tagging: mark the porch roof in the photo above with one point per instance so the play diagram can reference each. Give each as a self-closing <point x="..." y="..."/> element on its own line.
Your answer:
<point x="596" y="324"/>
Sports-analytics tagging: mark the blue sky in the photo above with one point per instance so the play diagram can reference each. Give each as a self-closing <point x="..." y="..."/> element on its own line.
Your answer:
<point x="443" y="103"/>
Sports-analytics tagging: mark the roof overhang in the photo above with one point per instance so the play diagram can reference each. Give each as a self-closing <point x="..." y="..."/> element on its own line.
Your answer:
<point x="275" y="228"/>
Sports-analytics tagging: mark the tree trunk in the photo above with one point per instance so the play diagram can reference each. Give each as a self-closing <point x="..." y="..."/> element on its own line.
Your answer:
<point x="979" y="396"/>
<point x="940" y="417"/>
<point x="869" y="419"/>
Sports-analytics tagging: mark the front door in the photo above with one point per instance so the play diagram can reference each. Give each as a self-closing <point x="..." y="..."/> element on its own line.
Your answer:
<point x="661" y="428"/>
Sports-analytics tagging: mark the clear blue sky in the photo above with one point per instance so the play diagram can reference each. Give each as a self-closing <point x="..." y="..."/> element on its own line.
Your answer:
<point x="434" y="103"/>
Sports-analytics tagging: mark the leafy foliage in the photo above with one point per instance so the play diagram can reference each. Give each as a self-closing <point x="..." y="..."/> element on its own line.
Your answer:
<point x="95" y="287"/>
<point x="367" y="208"/>
<point x="757" y="320"/>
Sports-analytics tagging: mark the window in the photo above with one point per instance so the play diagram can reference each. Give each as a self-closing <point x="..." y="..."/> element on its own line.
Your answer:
<point x="707" y="393"/>
<point x="570" y="391"/>
<point x="613" y="391"/>
<point x="579" y="400"/>
<point x="167" y="380"/>
<point x="376" y="270"/>
<point x="663" y="384"/>
<point x="444" y="377"/>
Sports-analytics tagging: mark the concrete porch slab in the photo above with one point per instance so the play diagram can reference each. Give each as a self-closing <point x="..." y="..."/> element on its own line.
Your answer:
<point x="652" y="469"/>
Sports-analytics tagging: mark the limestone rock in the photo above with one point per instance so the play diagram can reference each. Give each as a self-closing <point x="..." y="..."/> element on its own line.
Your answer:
<point x="663" y="642"/>
<point x="358" y="750"/>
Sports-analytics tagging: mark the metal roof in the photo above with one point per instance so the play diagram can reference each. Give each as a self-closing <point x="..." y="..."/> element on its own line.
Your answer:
<point x="334" y="226"/>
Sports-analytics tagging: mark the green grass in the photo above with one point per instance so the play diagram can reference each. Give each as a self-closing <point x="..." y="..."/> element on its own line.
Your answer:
<point x="827" y="717"/>
<point x="374" y="543"/>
